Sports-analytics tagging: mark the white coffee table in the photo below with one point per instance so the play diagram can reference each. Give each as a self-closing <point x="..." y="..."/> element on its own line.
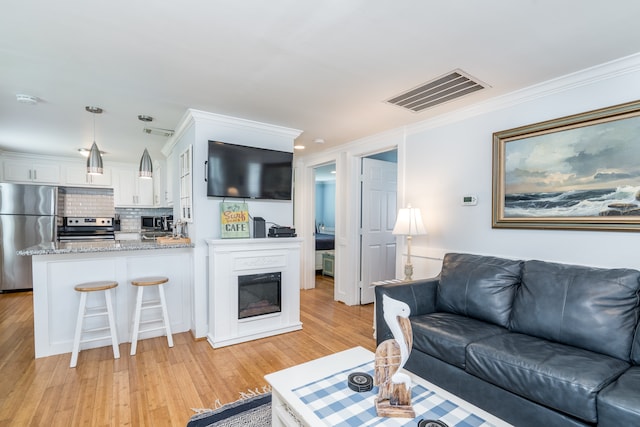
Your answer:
<point x="316" y="394"/>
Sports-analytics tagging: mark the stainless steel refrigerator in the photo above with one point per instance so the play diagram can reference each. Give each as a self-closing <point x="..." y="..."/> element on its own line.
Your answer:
<point x="27" y="218"/>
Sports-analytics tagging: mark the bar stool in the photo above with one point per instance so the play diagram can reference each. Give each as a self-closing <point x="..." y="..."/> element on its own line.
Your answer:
<point x="141" y="283"/>
<point x="84" y="312"/>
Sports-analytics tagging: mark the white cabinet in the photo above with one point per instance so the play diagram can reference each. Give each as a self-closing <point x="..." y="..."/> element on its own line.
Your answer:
<point x="186" y="185"/>
<point x="131" y="190"/>
<point x="77" y="175"/>
<point x="159" y="187"/>
<point x="23" y="171"/>
<point x="168" y="180"/>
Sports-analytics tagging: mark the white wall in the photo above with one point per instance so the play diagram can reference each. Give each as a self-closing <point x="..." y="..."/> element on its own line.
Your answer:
<point x="444" y="162"/>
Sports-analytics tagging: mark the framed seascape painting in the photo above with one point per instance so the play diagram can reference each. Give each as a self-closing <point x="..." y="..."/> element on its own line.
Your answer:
<point x="580" y="172"/>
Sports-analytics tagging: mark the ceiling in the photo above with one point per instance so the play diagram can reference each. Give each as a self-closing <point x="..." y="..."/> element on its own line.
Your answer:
<point x="323" y="67"/>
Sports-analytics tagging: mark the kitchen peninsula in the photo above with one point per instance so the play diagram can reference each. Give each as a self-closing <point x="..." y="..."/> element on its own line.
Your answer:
<point x="58" y="267"/>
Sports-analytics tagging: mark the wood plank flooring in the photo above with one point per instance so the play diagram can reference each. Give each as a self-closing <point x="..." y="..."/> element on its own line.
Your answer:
<point x="160" y="385"/>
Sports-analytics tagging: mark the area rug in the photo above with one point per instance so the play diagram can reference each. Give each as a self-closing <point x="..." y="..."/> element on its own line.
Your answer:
<point x="251" y="411"/>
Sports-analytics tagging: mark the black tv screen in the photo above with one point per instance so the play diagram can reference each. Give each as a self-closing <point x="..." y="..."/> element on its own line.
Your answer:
<point x="244" y="172"/>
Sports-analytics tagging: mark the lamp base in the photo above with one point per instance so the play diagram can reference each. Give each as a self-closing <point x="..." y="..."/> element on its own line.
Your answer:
<point x="408" y="271"/>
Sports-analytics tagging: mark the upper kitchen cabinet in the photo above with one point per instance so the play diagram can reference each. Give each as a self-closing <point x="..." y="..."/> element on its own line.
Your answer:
<point x="31" y="171"/>
<point x="168" y="181"/>
<point x="77" y="175"/>
<point x="160" y="185"/>
<point x="186" y="185"/>
<point x="129" y="190"/>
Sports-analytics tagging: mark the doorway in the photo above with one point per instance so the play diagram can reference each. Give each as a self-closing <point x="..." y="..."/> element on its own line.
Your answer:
<point x="325" y="221"/>
<point x="378" y="207"/>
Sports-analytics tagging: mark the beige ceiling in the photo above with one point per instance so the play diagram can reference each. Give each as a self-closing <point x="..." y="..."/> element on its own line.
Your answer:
<point x="324" y="67"/>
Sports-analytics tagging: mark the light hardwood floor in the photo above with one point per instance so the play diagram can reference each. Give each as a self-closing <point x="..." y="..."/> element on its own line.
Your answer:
<point x="160" y="385"/>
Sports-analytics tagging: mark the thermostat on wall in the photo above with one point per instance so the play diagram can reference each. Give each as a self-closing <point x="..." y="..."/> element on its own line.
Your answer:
<point x="469" y="200"/>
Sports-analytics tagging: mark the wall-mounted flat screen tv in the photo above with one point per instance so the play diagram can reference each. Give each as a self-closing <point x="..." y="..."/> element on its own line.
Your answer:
<point x="244" y="172"/>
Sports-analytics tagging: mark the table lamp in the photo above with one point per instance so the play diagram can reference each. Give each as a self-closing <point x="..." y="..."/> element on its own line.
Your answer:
<point x="409" y="223"/>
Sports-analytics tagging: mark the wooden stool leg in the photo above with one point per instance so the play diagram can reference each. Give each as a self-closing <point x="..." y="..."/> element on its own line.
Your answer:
<point x="112" y="325"/>
<point x="76" y="338"/>
<point x="165" y="314"/>
<point x="136" y="322"/>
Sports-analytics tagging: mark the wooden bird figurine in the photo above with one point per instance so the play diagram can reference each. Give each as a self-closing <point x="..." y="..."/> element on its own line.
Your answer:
<point x="394" y="387"/>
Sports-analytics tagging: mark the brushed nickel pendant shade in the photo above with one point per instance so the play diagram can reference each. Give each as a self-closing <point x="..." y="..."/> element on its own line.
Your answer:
<point x="94" y="161"/>
<point x="146" y="166"/>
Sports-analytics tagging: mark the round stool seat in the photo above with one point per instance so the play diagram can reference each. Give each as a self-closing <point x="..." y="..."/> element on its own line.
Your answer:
<point x="149" y="281"/>
<point x="102" y="285"/>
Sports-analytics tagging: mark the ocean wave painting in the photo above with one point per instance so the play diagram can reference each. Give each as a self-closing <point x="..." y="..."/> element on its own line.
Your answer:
<point x="578" y="168"/>
<point x="574" y="203"/>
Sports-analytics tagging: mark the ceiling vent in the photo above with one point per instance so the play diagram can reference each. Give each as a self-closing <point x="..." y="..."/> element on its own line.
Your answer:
<point x="158" y="131"/>
<point x="438" y="91"/>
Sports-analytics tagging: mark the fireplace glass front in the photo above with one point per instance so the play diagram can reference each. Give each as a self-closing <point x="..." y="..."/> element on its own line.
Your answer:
<point x="259" y="294"/>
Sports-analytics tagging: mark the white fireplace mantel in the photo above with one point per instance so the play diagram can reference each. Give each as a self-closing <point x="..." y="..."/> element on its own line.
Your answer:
<point x="231" y="258"/>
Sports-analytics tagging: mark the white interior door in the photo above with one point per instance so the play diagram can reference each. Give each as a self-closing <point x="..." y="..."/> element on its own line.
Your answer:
<point x="378" y="216"/>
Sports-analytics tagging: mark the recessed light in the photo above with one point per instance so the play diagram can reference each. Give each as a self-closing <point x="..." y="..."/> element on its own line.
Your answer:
<point x="144" y="118"/>
<point x="319" y="141"/>
<point x="26" y="99"/>
<point x="298" y="147"/>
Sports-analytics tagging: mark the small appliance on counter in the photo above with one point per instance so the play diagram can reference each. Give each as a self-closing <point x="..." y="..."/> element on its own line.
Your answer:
<point x="156" y="223"/>
<point x="152" y="227"/>
<point x="277" y="231"/>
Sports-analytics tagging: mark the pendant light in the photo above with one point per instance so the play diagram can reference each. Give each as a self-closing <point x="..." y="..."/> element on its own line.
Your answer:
<point x="94" y="161"/>
<point x="146" y="166"/>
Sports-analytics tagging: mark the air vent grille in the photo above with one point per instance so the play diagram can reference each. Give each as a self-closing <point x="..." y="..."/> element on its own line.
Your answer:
<point x="438" y="91"/>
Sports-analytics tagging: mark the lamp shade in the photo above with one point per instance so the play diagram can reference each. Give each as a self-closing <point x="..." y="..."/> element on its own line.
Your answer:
<point x="94" y="161"/>
<point x="409" y="222"/>
<point x="146" y="166"/>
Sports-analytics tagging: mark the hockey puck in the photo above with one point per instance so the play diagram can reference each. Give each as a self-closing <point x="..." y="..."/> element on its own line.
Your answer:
<point x="360" y="382"/>
<point x="431" y="423"/>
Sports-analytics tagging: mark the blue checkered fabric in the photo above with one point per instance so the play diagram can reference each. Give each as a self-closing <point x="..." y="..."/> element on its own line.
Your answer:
<point x="336" y="404"/>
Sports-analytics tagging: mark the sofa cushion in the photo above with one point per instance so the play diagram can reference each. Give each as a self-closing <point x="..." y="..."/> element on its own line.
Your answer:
<point x="619" y="403"/>
<point x="478" y="286"/>
<point x="556" y="375"/>
<point x="446" y="335"/>
<point x="591" y="308"/>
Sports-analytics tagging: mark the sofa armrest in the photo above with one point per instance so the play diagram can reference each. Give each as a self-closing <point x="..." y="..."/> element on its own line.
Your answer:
<point x="420" y="295"/>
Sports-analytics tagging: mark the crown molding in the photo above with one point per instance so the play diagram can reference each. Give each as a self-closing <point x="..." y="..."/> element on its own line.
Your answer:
<point x="197" y="117"/>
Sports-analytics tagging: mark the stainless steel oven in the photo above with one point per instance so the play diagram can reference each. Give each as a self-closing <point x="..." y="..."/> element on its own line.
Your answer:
<point x="76" y="229"/>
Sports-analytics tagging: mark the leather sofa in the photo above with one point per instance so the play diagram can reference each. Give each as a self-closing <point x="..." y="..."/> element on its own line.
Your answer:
<point x="534" y="343"/>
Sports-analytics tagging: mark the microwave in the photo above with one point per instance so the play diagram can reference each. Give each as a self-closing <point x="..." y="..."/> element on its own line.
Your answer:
<point x="149" y="222"/>
<point x="163" y="223"/>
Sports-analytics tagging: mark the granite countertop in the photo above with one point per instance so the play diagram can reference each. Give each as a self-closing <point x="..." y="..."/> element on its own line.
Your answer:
<point x="54" y="248"/>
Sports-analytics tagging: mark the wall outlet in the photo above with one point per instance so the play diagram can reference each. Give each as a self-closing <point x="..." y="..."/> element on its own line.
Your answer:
<point x="469" y="200"/>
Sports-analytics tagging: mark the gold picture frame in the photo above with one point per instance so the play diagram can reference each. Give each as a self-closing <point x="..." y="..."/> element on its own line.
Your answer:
<point x="580" y="172"/>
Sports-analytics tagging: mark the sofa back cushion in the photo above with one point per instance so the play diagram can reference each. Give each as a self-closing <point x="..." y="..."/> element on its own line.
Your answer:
<point x="478" y="286"/>
<point x="591" y="308"/>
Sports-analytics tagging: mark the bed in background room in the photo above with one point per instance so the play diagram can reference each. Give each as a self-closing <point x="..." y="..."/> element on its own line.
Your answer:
<point x="324" y="243"/>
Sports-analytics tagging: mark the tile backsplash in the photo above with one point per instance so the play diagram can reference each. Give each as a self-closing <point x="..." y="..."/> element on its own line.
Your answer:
<point x="85" y="202"/>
